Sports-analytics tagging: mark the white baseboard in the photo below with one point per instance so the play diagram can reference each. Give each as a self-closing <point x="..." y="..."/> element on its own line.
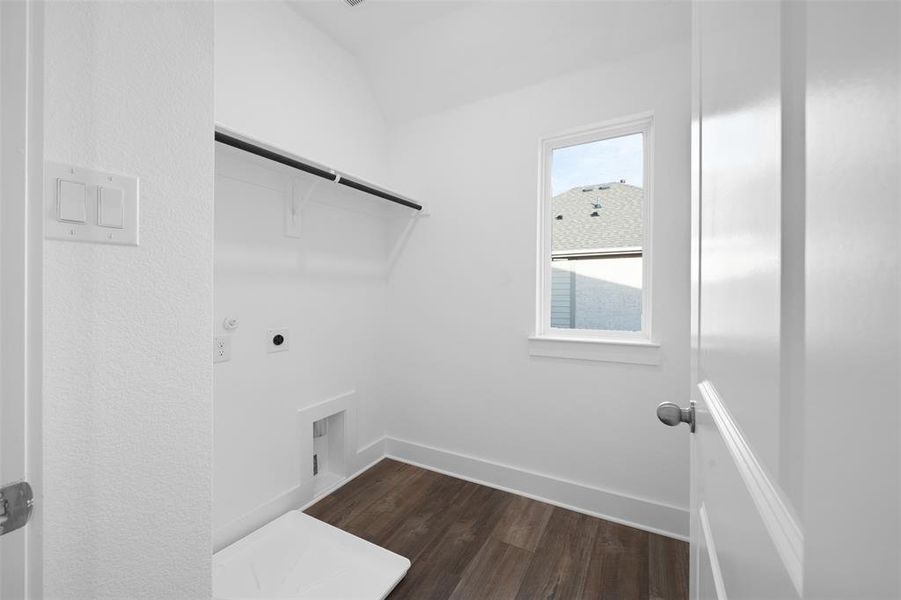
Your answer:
<point x="369" y="455"/>
<point x="297" y="498"/>
<point x="640" y="513"/>
<point x="251" y="521"/>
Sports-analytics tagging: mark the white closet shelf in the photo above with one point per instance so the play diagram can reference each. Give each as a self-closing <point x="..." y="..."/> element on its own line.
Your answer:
<point x="226" y="136"/>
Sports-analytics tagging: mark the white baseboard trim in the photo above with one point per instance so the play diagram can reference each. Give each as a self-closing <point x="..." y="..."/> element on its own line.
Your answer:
<point x="369" y="455"/>
<point x="299" y="497"/>
<point x="640" y="513"/>
<point x="775" y="512"/>
<point x="236" y="529"/>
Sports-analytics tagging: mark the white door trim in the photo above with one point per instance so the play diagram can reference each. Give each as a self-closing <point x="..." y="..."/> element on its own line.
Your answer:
<point x="768" y="497"/>
<point x="717" y="573"/>
<point x="21" y="255"/>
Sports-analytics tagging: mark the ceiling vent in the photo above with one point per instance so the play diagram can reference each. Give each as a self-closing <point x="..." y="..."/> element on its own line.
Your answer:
<point x="353" y="2"/>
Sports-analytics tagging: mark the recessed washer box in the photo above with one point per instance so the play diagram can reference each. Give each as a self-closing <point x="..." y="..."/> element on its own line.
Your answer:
<point x="85" y="205"/>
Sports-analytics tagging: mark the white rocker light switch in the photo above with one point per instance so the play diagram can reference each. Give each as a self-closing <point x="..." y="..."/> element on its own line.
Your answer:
<point x="110" y="211"/>
<point x="70" y="198"/>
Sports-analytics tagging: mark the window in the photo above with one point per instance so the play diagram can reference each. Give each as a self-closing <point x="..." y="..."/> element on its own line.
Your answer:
<point x="595" y="206"/>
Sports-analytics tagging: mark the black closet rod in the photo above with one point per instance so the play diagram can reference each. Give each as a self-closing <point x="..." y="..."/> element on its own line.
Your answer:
<point x="312" y="169"/>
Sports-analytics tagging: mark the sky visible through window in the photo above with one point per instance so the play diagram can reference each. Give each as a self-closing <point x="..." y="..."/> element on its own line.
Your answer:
<point x="604" y="161"/>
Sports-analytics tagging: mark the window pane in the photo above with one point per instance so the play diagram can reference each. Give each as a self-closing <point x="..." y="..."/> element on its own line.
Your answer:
<point x="597" y="234"/>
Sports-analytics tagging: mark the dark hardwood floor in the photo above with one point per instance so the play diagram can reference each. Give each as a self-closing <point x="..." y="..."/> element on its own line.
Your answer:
<point x="467" y="540"/>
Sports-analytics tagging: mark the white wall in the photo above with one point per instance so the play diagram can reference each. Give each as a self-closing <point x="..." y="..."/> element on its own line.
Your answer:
<point x="462" y="299"/>
<point x="127" y="402"/>
<point x="426" y="57"/>
<point x="452" y="363"/>
<point x="327" y="288"/>
<point x="280" y="79"/>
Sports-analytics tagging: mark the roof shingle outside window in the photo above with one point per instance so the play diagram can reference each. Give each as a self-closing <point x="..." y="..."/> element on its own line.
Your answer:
<point x="617" y="224"/>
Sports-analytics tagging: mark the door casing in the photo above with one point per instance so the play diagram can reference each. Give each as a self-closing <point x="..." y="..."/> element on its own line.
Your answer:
<point x="21" y="251"/>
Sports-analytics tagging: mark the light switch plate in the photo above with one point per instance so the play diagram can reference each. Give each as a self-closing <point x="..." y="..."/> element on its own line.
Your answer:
<point x="90" y="230"/>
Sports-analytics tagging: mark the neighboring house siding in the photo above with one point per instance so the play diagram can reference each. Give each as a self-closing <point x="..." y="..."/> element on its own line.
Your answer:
<point x="562" y="296"/>
<point x="603" y="294"/>
<point x="608" y="294"/>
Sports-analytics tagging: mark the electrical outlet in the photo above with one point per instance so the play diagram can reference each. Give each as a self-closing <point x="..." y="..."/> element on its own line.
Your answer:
<point x="278" y="340"/>
<point x="222" y="349"/>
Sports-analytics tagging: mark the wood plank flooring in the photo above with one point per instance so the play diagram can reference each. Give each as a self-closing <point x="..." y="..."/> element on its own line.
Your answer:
<point x="468" y="541"/>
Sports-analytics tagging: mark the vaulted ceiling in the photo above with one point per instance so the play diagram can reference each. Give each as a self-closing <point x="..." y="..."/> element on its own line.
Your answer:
<point x="425" y="56"/>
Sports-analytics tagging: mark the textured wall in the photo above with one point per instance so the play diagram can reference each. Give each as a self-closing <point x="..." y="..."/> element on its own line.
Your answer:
<point x="127" y="358"/>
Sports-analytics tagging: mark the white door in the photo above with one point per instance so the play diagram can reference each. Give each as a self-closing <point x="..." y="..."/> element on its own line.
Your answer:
<point x="795" y="456"/>
<point x="20" y="302"/>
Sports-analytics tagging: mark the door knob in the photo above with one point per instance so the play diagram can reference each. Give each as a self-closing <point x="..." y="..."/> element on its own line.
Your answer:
<point x="671" y="414"/>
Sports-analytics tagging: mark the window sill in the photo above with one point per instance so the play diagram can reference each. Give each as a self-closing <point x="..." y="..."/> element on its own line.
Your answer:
<point x="630" y="351"/>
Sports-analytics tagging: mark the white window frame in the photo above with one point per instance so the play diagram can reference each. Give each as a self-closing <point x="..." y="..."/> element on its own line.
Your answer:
<point x="591" y="344"/>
